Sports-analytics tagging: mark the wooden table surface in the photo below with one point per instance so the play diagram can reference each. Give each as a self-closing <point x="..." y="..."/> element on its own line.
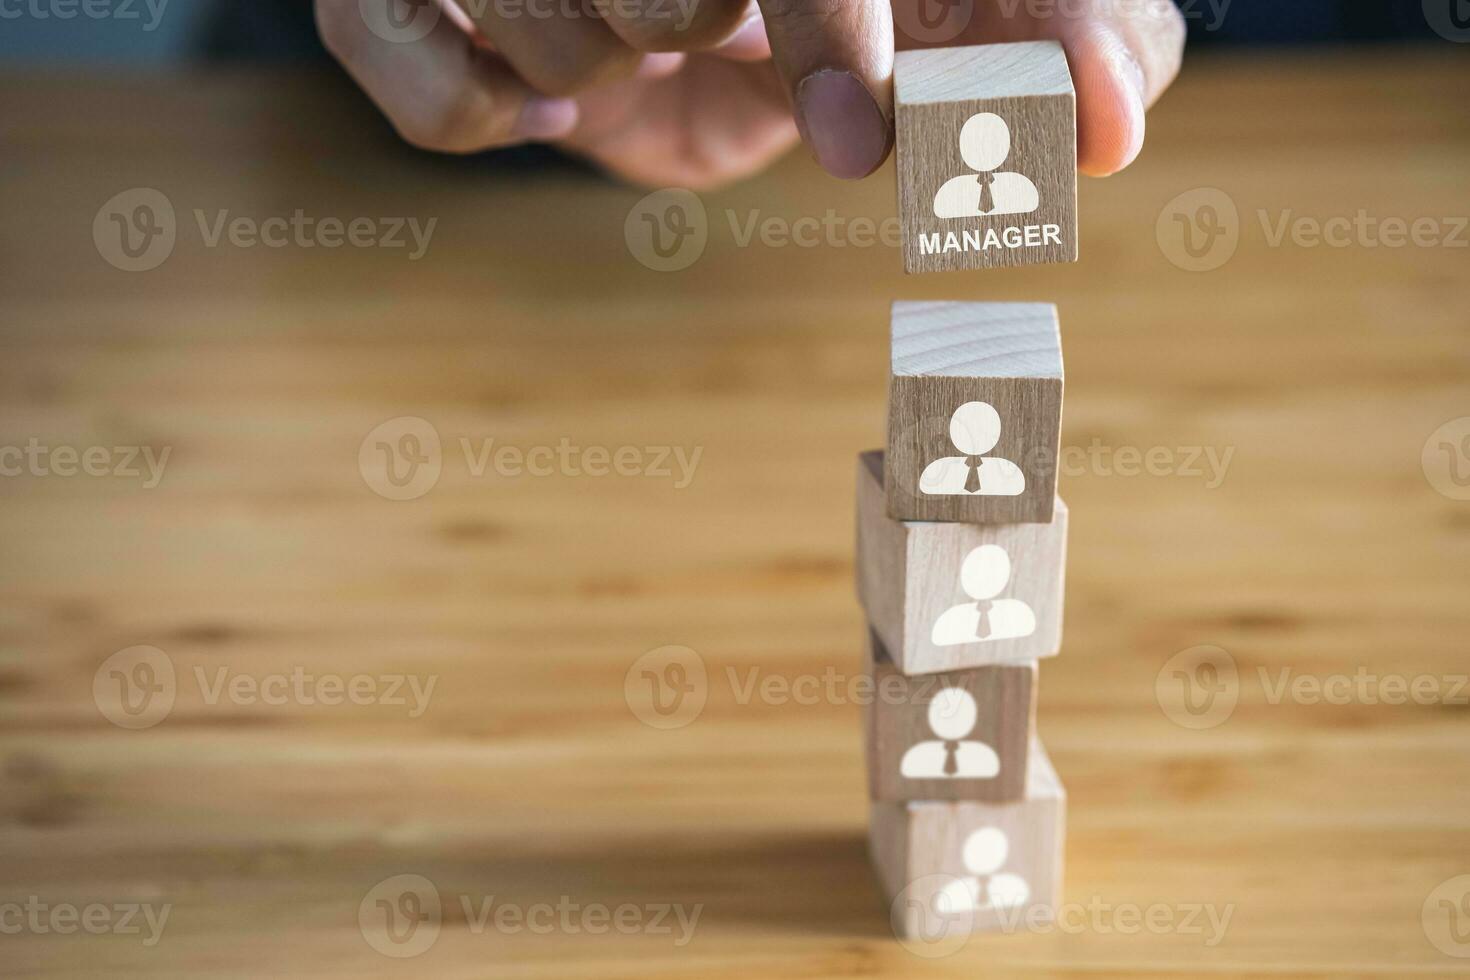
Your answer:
<point x="1324" y="551"/>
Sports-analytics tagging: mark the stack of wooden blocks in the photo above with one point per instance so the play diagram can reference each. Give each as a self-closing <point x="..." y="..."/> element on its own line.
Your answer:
<point x="961" y="538"/>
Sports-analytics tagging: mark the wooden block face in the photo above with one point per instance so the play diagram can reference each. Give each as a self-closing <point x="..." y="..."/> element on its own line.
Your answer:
<point x="974" y="412"/>
<point x="987" y="156"/>
<point x="945" y="597"/>
<point x="956" y="736"/>
<point x="949" y="869"/>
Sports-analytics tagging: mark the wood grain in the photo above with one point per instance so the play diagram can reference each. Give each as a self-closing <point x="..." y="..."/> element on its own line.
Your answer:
<point x="992" y="371"/>
<point x="1323" y="549"/>
<point x="970" y="340"/>
<point x="909" y="579"/>
<point x="897" y="728"/>
<point x="937" y="93"/>
<point x="984" y="71"/>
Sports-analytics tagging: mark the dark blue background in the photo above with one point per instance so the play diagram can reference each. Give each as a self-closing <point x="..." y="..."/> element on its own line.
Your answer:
<point x="193" y="30"/>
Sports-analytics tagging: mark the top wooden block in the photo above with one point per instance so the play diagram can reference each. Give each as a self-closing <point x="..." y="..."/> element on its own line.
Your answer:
<point x="987" y="156"/>
<point x="974" y="412"/>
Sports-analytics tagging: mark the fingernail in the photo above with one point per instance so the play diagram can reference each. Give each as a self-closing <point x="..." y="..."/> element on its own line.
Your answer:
<point x="544" y="119"/>
<point x="659" y="64"/>
<point x="748" y="43"/>
<point x="1138" y="113"/>
<point x="842" y="123"/>
<point x="1135" y="75"/>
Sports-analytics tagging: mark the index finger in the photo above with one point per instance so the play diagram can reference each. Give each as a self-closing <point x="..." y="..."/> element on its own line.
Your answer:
<point x="836" y="59"/>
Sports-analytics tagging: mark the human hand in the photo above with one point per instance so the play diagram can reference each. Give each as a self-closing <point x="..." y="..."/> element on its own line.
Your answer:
<point x="697" y="92"/>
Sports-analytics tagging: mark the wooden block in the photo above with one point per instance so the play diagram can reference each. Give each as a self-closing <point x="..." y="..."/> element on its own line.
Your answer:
<point x="922" y="584"/>
<point x="987" y="156"/>
<point x="949" y="869"/>
<point x="956" y="736"/>
<point x="974" y="412"/>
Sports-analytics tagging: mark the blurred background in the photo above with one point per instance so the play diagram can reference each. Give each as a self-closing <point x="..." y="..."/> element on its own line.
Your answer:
<point x="208" y="31"/>
<point x="169" y="32"/>
<point x="158" y="34"/>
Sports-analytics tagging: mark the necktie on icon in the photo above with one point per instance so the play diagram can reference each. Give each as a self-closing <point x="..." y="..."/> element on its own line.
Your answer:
<point x="972" y="479"/>
<point x="982" y="620"/>
<point x="987" y="202"/>
<point x="951" y="758"/>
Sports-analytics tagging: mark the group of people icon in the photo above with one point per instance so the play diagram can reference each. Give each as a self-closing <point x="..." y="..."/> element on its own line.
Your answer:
<point x="953" y="714"/>
<point x="953" y="755"/>
<point x="975" y="430"/>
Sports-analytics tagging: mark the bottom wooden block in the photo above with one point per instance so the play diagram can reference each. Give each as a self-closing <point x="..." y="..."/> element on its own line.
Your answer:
<point x="950" y="869"/>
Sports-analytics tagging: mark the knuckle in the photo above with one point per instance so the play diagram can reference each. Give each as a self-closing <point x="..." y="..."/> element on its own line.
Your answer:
<point x="649" y="33"/>
<point x="457" y="125"/>
<point x="575" y="75"/>
<point x="672" y="25"/>
<point x="806" y="19"/>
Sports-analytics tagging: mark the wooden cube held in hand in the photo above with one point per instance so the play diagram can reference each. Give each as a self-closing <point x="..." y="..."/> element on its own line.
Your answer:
<point x="957" y="736"/>
<point x="987" y="156"/>
<point x="974" y="412"/>
<point x="950" y="869"/>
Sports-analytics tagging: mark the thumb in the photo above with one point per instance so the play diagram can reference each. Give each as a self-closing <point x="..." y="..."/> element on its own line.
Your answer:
<point x="836" y="60"/>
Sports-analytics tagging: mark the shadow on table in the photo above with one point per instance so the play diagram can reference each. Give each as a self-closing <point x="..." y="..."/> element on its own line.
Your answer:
<point x="800" y="884"/>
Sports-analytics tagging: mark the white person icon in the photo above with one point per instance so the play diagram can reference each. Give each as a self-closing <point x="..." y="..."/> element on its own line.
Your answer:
<point x="985" y="144"/>
<point x="974" y="429"/>
<point x="952" y="716"/>
<point x="984" y="575"/>
<point x="984" y="853"/>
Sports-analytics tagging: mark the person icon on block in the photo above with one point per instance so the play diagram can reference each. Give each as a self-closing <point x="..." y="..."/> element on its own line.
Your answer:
<point x="985" y="144"/>
<point x="984" y="854"/>
<point x="974" y="429"/>
<point x="984" y="575"/>
<point x="952" y="716"/>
